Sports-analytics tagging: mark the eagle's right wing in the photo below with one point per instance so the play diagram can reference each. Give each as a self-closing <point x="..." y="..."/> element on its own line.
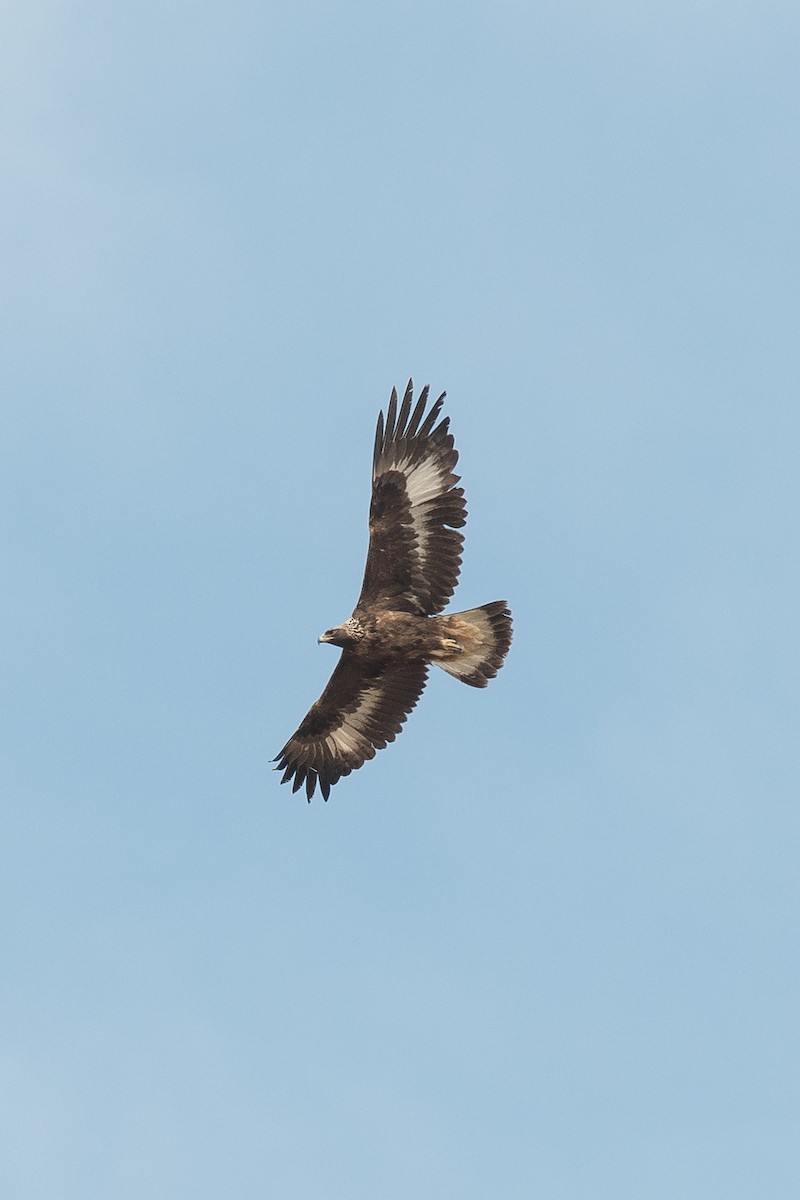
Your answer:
<point x="414" y="548"/>
<point x="361" y="710"/>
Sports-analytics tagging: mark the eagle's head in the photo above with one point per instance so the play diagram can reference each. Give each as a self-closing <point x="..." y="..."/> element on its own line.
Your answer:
<point x="343" y="635"/>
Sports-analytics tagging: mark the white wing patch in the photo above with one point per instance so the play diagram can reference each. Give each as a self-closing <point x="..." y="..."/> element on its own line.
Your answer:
<point x="425" y="481"/>
<point x="350" y="735"/>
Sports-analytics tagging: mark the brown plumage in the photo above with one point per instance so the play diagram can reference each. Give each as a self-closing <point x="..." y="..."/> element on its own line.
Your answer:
<point x="394" y="633"/>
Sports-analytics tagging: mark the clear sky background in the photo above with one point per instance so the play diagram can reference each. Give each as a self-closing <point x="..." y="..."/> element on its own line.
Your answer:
<point x="546" y="944"/>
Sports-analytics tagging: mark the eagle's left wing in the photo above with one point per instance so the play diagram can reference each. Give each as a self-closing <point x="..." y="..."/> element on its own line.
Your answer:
<point x="416" y="511"/>
<point x="361" y="710"/>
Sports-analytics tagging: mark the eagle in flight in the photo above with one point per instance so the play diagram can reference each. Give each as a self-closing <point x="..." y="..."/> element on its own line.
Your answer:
<point x="395" y="631"/>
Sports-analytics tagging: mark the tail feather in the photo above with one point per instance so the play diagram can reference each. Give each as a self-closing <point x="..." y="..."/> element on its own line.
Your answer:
<point x="482" y="637"/>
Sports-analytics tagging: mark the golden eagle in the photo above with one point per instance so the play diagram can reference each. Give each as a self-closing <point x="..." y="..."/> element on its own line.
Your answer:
<point x="394" y="633"/>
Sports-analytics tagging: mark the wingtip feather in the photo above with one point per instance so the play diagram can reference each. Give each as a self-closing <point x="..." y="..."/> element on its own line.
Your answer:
<point x="378" y="440"/>
<point x="405" y="409"/>
<point x="391" y="414"/>
<point x="430" y="420"/>
<point x="418" y="412"/>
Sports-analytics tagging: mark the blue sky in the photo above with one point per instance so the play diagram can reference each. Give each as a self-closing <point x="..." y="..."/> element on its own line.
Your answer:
<point x="545" y="944"/>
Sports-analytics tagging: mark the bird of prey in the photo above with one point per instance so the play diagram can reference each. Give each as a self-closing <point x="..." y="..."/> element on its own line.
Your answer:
<point x="394" y="633"/>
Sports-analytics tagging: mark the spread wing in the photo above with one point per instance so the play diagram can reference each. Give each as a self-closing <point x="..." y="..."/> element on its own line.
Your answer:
<point x="414" y="548"/>
<point x="361" y="710"/>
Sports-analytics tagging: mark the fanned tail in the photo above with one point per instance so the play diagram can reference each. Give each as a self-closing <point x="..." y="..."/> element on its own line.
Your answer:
<point x="479" y="640"/>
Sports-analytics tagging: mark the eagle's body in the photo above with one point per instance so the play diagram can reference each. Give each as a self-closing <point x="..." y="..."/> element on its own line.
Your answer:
<point x="403" y="637"/>
<point x="395" y="633"/>
<point x="390" y="636"/>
